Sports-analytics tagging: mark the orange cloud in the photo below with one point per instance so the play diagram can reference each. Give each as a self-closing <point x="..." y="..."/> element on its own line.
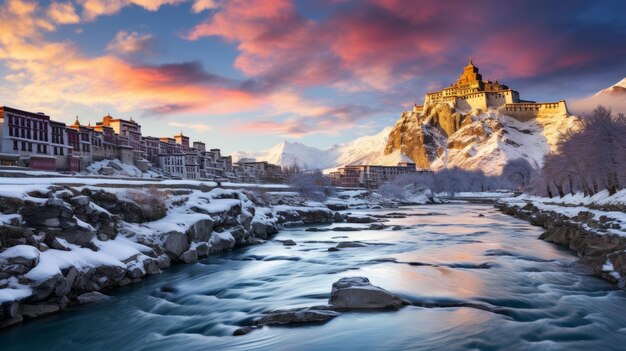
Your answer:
<point x="63" y="13"/>
<point x="130" y="43"/>
<point x="95" y="8"/>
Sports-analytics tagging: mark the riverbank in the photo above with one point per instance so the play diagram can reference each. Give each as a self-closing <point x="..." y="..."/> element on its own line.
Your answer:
<point x="471" y="273"/>
<point x="593" y="227"/>
<point x="65" y="244"/>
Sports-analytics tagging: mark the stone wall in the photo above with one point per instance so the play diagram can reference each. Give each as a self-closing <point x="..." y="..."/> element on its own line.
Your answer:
<point x="527" y="111"/>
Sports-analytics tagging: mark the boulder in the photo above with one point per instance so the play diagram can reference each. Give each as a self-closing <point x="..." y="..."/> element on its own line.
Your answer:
<point x="81" y="200"/>
<point x="262" y="230"/>
<point x="336" y="206"/>
<point x="189" y="256"/>
<point x="360" y="219"/>
<point x="91" y="297"/>
<point x="38" y="310"/>
<point x="54" y="285"/>
<point x="346" y="229"/>
<point x="201" y="230"/>
<point x="289" y="242"/>
<point x="318" y="314"/>
<point x="359" y="293"/>
<point x="37" y="215"/>
<point x="175" y="243"/>
<point x="12" y="235"/>
<point x="202" y="249"/>
<point x="24" y="255"/>
<point x="376" y="226"/>
<point x="221" y="241"/>
<point x="345" y="244"/>
<point x="10" y="205"/>
<point x="337" y="217"/>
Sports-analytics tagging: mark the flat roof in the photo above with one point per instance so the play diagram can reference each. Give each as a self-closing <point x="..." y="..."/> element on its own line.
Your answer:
<point x="31" y="114"/>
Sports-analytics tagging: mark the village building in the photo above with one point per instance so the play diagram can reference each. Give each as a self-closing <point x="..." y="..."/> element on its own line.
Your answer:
<point x="34" y="140"/>
<point x="370" y="176"/>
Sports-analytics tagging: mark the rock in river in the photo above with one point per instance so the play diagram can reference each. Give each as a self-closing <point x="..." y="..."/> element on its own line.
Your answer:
<point x="359" y="293"/>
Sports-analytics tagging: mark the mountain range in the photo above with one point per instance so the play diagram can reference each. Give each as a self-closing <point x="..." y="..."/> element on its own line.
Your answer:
<point x="442" y="136"/>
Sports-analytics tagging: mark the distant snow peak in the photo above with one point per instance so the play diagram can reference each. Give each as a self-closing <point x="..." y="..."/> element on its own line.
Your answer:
<point x="616" y="90"/>
<point x="364" y="150"/>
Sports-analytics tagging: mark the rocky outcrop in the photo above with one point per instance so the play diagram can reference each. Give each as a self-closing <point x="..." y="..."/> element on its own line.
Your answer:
<point x="442" y="136"/>
<point x="415" y="139"/>
<point x="601" y="253"/>
<point x="351" y="293"/>
<point x="359" y="293"/>
<point x="160" y="227"/>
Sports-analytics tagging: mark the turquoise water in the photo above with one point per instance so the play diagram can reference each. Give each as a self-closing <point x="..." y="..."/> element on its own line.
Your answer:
<point x="494" y="261"/>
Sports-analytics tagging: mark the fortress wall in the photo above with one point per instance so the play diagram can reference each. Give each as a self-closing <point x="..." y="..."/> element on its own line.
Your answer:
<point x="498" y="99"/>
<point x="526" y="111"/>
<point x="471" y="101"/>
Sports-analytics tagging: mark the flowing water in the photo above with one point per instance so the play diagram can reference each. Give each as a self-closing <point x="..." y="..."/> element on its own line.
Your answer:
<point x="450" y="256"/>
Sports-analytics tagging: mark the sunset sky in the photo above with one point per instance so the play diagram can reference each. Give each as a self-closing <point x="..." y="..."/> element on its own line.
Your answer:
<point x="245" y="75"/>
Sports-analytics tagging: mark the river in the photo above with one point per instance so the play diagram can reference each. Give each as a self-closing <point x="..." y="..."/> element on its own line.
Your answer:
<point x="449" y="255"/>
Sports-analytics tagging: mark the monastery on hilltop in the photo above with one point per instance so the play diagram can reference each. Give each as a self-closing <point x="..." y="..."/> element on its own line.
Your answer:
<point x="471" y="92"/>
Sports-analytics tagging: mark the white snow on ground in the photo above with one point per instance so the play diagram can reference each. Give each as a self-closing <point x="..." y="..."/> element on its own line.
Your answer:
<point x="52" y="261"/>
<point x="10" y="185"/>
<point x="25" y="251"/>
<point x="31" y="172"/>
<point x="14" y="291"/>
<point x="485" y="194"/>
<point x="119" y="169"/>
<point x="502" y="139"/>
<point x="7" y="218"/>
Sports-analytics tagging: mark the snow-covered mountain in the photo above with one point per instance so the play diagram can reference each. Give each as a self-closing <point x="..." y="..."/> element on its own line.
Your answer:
<point x="437" y="138"/>
<point x="616" y="90"/>
<point x="364" y="150"/>
<point x="442" y="136"/>
<point x="613" y="97"/>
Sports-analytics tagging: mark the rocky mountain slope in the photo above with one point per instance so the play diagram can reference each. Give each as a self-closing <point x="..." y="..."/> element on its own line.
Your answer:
<point x="441" y="136"/>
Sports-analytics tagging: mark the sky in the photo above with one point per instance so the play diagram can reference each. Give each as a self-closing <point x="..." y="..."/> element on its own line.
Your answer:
<point x="248" y="74"/>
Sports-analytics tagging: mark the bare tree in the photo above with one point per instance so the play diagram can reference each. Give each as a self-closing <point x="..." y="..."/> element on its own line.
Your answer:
<point x="592" y="158"/>
<point x="518" y="172"/>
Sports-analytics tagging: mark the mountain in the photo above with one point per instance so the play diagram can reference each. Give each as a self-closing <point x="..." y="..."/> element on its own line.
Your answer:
<point x="364" y="150"/>
<point x="613" y="97"/>
<point x="616" y="90"/>
<point x="441" y="137"/>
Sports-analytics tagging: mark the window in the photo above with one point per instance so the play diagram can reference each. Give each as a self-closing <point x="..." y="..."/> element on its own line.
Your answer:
<point x="30" y="147"/>
<point x="14" y="144"/>
<point x="55" y="150"/>
<point x="23" y="146"/>
<point x="60" y="151"/>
